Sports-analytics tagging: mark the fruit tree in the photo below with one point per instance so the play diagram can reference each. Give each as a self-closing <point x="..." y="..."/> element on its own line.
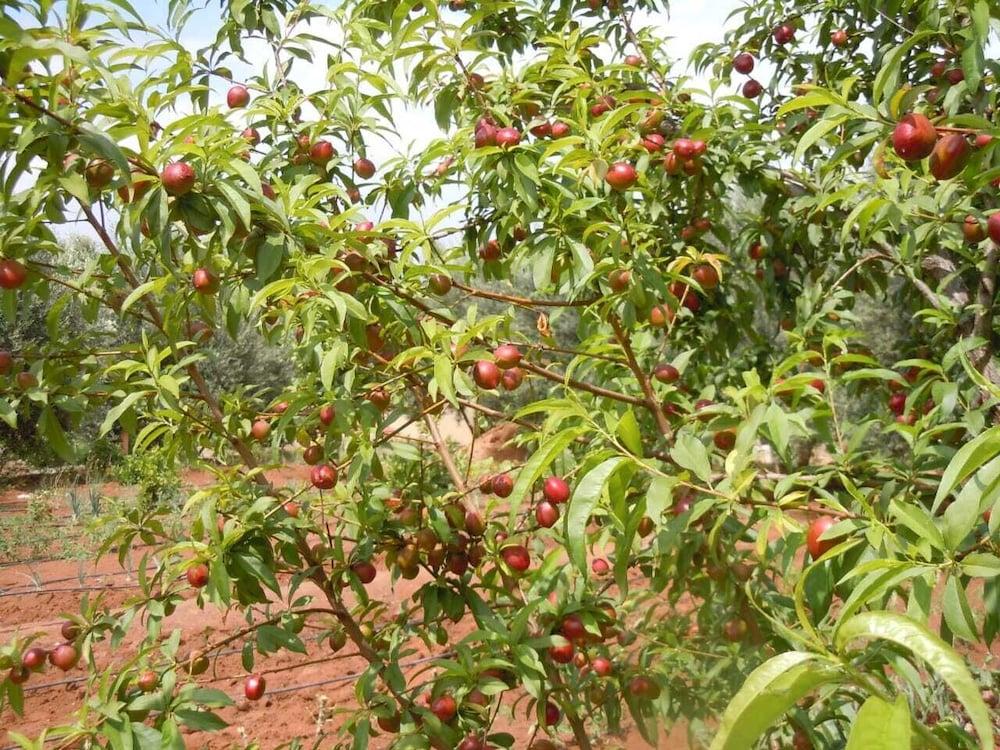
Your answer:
<point x="742" y="505"/>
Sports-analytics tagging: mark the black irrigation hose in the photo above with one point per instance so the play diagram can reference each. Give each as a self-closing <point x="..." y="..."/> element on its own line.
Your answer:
<point x="67" y="578"/>
<point x="67" y="590"/>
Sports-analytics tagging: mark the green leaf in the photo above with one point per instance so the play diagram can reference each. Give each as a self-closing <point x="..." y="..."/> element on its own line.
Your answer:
<point x="968" y="459"/>
<point x="202" y="721"/>
<point x="880" y="725"/>
<point x="443" y="371"/>
<point x="269" y="256"/>
<point x="887" y="79"/>
<point x="942" y="658"/>
<point x="957" y="613"/>
<point x="116" y="412"/>
<point x="585" y="498"/>
<point x="963" y="514"/>
<point x="917" y="520"/>
<point x="628" y="431"/>
<point x="981" y="565"/>
<point x="771" y="690"/>
<point x="52" y="431"/>
<point x="690" y="453"/>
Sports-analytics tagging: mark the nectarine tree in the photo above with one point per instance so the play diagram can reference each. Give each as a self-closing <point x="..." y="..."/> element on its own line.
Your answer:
<point x="730" y="486"/>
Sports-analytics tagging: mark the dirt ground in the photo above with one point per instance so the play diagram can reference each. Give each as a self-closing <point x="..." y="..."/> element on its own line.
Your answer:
<point x="306" y="694"/>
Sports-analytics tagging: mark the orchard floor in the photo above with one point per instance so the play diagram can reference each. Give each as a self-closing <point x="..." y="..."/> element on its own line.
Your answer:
<point x="307" y="694"/>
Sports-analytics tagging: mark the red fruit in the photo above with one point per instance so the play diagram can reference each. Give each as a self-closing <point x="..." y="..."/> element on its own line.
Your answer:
<point x="267" y="191"/>
<point x="621" y="175"/>
<point x="666" y="373"/>
<point x="147" y="681"/>
<point x="197" y="575"/>
<point x="706" y="276"/>
<point x="602" y="667"/>
<point x="502" y="485"/>
<point x="507" y="356"/>
<point x="992" y="228"/>
<point x="671" y="164"/>
<point x="838" y="38"/>
<point x="983" y="140"/>
<point x="486" y="133"/>
<point x="388" y="723"/>
<point x="12" y="274"/>
<point x="752" y="89"/>
<point x="18" y="675"/>
<point x="204" y="281"/>
<point x="634" y="61"/>
<point x="897" y="403"/>
<point x="25" y="381"/>
<point x="546" y="514"/>
<point x="542" y="130"/>
<point x="972" y="230"/>
<point x="743" y="63"/>
<point x="327" y="414"/>
<point x="560" y="129"/>
<point x="445" y="708"/>
<point x="938" y="68"/>
<point x="34" y="659"/>
<point x="619" y="280"/>
<point x="511" y="379"/>
<point x="178" y="178"/>
<point x="440" y="284"/>
<point x="949" y="156"/>
<point x="818" y="547"/>
<point x="756" y="251"/>
<point x="6" y="361"/>
<point x="556" y="490"/>
<point x="517" y="558"/>
<point x="955" y="76"/>
<point x="292" y="509"/>
<point x="323" y="476"/>
<point x="508" y="137"/>
<point x="653" y="142"/>
<point x="254" y="686"/>
<point x="70" y="631"/>
<point x="572" y="628"/>
<point x="490" y="251"/>
<point x="684" y="148"/>
<point x="552" y="714"/>
<point x="783" y="34"/>
<point x="914" y="137"/>
<point x="486" y="374"/>
<point x="260" y="430"/>
<point x="99" y="173"/>
<point x="237" y="97"/>
<point x="312" y="455"/>
<point x="472" y="742"/>
<point x="643" y="687"/>
<point x="561" y="654"/>
<point x="724" y="439"/>
<point x="251" y="136"/>
<point x="660" y="315"/>
<point x="365" y="571"/>
<point x="735" y="630"/>
<point x="321" y="152"/>
<point x="364" y="168"/>
<point x="64" y="657"/>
